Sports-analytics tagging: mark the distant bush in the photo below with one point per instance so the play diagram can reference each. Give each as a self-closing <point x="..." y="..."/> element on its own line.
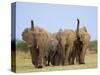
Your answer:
<point x="22" y="46"/>
<point x="93" y="45"/>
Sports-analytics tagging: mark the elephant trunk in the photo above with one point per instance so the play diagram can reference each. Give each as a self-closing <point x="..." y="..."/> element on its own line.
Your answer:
<point x="32" y="25"/>
<point x="77" y="31"/>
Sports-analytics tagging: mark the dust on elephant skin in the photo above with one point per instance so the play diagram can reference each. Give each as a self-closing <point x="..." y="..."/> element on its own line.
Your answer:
<point x="37" y="41"/>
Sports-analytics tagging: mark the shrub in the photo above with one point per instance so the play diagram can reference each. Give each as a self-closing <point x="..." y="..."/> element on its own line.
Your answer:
<point x="22" y="46"/>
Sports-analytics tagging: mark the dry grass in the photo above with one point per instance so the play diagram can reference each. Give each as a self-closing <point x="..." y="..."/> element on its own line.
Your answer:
<point x="23" y="64"/>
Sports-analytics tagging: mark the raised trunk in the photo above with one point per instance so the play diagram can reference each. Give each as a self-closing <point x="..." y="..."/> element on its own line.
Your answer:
<point x="77" y="31"/>
<point x="32" y="25"/>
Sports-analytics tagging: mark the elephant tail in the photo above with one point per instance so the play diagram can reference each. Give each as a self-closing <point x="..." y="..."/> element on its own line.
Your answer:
<point x="77" y="30"/>
<point x="32" y="25"/>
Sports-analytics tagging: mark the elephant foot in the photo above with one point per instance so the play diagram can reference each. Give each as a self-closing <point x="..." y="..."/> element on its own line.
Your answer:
<point x="81" y="63"/>
<point x="40" y="66"/>
<point x="47" y="65"/>
<point x="72" y="64"/>
<point x="63" y="63"/>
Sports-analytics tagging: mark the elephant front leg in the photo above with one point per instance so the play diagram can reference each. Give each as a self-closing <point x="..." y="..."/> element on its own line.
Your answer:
<point x="40" y="58"/>
<point x="68" y="55"/>
<point x="46" y="61"/>
<point x="72" y="58"/>
<point x="82" y="55"/>
<point x="34" y="56"/>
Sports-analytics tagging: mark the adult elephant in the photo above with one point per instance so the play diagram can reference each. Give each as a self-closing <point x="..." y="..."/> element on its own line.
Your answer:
<point x="70" y="38"/>
<point x="80" y="44"/>
<point x="66" y="39"/>
<point x="37" y="41"/>
<point x="84" y="38"/>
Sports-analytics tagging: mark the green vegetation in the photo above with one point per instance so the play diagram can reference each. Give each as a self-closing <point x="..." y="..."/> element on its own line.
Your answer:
<point x="22" y="46"/>
<point x="93" y="45"/>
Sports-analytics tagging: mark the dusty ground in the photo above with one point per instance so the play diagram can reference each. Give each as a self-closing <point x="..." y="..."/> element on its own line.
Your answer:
<point x="23" y="64"/>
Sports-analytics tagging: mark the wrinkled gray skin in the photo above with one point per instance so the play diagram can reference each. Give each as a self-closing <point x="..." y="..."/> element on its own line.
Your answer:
<point x="37" y="40"/>
<point x="66" y="41"/>
<point x="51" y="52"/>
<point x="85" y="38"/>
<point x="80" y="45"/>
<point x="27" y="36"/>
<point x="77" y="48"/>
<point x="70" y="50"/>
<point x="61" y="46"/>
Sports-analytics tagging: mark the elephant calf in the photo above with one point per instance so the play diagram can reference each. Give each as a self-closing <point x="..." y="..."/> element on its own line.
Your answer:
<point x="51" y="52"/>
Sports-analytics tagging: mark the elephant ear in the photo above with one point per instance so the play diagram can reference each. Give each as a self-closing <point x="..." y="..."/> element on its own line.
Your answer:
<point x="85" y="29"/>
<point x="32" y="25"/>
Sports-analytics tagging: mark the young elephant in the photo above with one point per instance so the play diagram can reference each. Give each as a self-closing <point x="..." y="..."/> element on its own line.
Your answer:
<point x="51" y="52"/>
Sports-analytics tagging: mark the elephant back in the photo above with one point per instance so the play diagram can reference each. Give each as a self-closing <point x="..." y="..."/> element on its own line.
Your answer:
<point x="70" y="36"/>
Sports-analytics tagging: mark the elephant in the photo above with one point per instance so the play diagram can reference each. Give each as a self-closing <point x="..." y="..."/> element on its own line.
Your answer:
<point x="61" y="45"/>
<point x="51" y="52"/>
<point x="85" y="38"/>
<point x="37" y="40"/>
<point x="80" y="45"/>
<point x="70" y="38"/>
<point x="66" y="41"/>
<point x="73" y="44"/>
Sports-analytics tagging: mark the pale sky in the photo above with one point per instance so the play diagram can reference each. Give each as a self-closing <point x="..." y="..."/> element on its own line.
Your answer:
<point x="52" y="17"/>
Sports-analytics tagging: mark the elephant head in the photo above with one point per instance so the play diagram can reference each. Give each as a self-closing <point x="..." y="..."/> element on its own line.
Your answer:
<point x="37" y="40"/>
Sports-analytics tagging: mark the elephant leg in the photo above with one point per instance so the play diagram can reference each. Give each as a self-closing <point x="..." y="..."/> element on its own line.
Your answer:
<point x="63" y="57"/>
<point x="34" y="56"/>
<point x="82" y="55"/>
<point x="56" y="60"/>
<point x="68" y="54"/>
<point x="40" y="59"/>
<point x="59" y="58"/>
<point x="81" y="59"/>
<point x="52" y="61"/>
<point x="78" y="55"/>
<point x="45" y="61"/>
<point x="62" y="61"/>
<point x="78" y="58"/>
<point x="69" y="59"/>
<point x="74" y="54"/>
<point x="72" y="58"/>
<point x="49" y="60"/>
